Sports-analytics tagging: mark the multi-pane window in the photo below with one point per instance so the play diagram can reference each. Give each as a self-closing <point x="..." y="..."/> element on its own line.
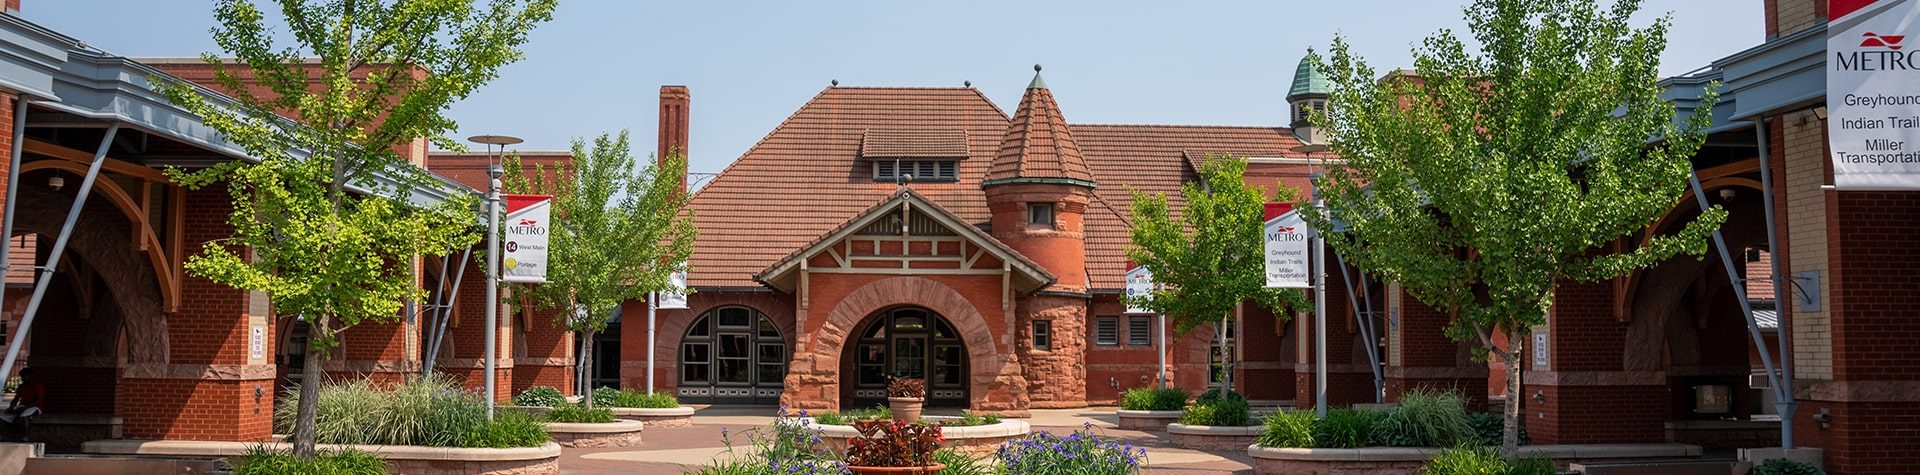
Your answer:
<point x="1106" y="331"/>
<point x="1139" y="331"/>
<point x="1042" y="335"/>
<point x="733" y="346"/>
<point x="1040" y="214"/>
<point x="916" y="170"/>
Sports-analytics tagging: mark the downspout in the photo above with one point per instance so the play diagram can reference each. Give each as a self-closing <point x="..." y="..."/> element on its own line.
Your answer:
<point x="59" y="244"/>
<point x="1784" y="402"/>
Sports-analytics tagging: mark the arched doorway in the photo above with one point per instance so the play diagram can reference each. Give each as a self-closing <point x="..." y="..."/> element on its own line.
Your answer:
<point x="907" y="342"/>
<point x="732" y="355"/>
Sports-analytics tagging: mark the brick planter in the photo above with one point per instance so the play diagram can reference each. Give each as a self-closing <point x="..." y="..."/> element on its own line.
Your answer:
<point x="1213" y="437"/>
<point x="657" y="418"/>
<point x="1148" y="420"/>
<point x="1413" y="460"/>
<point x="973" y="440"/>
<point x="619" y="433"/>
<point x="401" y="459"/>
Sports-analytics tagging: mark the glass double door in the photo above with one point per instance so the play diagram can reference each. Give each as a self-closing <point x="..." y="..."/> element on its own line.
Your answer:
<point x="907" y="343"/>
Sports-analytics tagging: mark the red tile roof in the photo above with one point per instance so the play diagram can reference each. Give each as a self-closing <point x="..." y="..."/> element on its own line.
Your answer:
<point x="1039" y="143"/>
<point x="888" y="143"/>
<point x="804" y="178"/>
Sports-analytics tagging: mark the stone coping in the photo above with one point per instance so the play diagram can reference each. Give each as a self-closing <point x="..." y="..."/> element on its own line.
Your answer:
<point x="1184" y="429"/>
<point x="206" y="448"/>
<point x="1006" y="428"/>
<point x="1151" y="414"/>
<point x="617" y="426"/>
<point x="652" y="412"/>
<point x="1416" y="454"/>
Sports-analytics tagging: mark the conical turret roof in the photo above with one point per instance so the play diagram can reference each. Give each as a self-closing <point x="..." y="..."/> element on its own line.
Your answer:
<point x="1038" y="146"/>
<point x="1308" y="79"/>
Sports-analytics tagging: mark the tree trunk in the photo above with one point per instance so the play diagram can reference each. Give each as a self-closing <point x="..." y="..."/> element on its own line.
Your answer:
<point x="1510" y="429"/>
<point x="586" y="361"/>
<point x="1226" y="360"/>
<point x="306" y="420"/>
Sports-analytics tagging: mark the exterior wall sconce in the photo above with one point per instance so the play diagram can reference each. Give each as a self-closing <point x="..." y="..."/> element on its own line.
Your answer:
<point x="56" y="183"/>
<point x="1825" y="418"/>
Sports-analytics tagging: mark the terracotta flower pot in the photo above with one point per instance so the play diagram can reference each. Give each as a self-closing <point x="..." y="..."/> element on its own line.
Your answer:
<point x="927" y="470"/>
<point x="906" y="409"/>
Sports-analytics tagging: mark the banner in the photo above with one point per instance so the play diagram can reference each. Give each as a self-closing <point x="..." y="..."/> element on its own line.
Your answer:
<point x="1286" y="237"/>
<point x="676" y="298"/>
<point x="524" y="259"/>
<point x="1873" y="106"/>
<point x="1139" y="285"/>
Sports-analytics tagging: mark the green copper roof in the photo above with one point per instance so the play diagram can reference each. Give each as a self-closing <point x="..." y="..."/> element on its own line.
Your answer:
<point x="1309" y="80"/>
<point x="1037" y="82"/>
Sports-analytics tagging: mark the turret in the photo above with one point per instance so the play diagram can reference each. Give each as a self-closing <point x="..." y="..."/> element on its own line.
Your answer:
<point x="1309" y="93"/>
<point x="1038" y="189"/>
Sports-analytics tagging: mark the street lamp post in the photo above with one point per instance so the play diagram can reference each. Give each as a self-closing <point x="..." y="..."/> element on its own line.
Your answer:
<point x="494" y="172"/>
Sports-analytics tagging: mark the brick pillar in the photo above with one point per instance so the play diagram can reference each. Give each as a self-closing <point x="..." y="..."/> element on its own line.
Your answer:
<point x="213" y="387"/>
<point x="1583" y="394"/>
<point x="543" y="354"/>
<point x="1349" y="380"/>
<point x="1419" y="354"/>
<point x="1266" y="363"/>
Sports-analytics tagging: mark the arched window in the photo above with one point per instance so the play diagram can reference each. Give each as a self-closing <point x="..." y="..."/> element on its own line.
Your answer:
<point x="732" y="355"/>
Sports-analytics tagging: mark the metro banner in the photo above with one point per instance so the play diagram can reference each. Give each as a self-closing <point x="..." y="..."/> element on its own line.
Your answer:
<point x="1139" y="285"/>
<point x="1873" y="106"/>
<point x="676" y="298"/>
<point x="524" y="254"/>
<point x="1286" y="246"/>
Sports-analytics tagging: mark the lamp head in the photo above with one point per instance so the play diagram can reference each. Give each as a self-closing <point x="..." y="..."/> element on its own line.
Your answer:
<point x="495" y="171"/>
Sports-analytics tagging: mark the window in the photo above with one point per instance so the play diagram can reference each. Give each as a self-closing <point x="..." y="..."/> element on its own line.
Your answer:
<point x="1139" y="331"/>
<point x="1106" y="331"/>
<point x="1043" y="335"/>
<point x="916" y="170"/>
<point x="1040" y="214"/>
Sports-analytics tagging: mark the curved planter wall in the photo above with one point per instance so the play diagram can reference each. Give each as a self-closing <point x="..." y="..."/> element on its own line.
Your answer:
<point x="1413" y="460"/>
<point x="619" y="433"/>
<point x="401" y="459"/>
<point x="657" y="418"/>
<point x="972" y="440"/>
<point x="1213" y="437"/>
<point x="1148" y="420"/>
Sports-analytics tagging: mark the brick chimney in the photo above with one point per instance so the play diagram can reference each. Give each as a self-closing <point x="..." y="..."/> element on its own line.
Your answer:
<point x="673" y="124"/>
<point x="13" y="7"/>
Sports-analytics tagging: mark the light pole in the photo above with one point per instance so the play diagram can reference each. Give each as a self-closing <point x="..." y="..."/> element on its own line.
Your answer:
<point x="494" y="171"/>
<point x="1319" y="288"/>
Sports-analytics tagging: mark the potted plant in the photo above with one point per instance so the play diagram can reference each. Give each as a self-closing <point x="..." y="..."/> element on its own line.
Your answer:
<point x="905" y="397"/>
<point x="894" y="447"/>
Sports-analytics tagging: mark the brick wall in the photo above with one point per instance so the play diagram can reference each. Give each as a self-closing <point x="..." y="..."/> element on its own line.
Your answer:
<point x="1117" y="368"/>
<point x="544" y="354"/>
<point x="672" y="325"/>
<point x="1799" y="147"/>
<point x="1786" y="17"/>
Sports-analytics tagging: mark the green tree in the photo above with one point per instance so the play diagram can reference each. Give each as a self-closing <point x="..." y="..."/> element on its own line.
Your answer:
<point x="620" y="233"/>
<point x="1484" y="179"/>
<point x="325" y="223"/>
<point x="1211" y="257"/>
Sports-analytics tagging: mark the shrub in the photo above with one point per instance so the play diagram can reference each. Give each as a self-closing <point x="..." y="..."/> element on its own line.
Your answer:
<point x="1345" y="428"/>
<point x="260" y="460"/>
<point x="893" y="443"/>
<point x="1291" y="429"/>
<point x="1213" y="396"/>
<point x="507" y="429"/>
<point x="961" y="464"/>
<point x="1468" y="461"/>
<point x="1228" y="412"/>
<point x="539" y="396"/>
<point x="611" y="397"/>
<point x="579" y="414"/>
<point x="1786" y="467"/>
<point x="906" y="387"/>
<point x="1534" y="466"/>
<point x="1153" y="399"/>
<point x="970" y="418"/>
<point x="429" y="411"/>
<point x="1425" y="419"/>
<point x="847" y="418"/>
<point x="789" y="446"/>
<point x="1077" y="453"/>
<point x="1487" y="426"/>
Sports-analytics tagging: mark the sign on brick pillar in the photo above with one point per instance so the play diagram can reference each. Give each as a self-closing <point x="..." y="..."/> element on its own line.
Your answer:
<point x="211" y="385"/>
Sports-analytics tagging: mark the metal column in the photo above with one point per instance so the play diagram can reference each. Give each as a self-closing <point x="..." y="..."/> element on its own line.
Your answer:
<point x="1364" y="317"/>
<point x="59" y="245"/>
<point x="1746" y="308"/>
<point x="653" y="304"/>
<point x="493" y="287"/>
<point x="1783" y="402"/>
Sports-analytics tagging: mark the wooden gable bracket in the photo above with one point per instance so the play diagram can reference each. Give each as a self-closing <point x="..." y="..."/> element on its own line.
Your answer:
<point x="806" y="299"/>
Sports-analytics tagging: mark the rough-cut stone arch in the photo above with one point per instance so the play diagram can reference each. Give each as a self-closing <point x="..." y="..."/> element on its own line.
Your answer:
<point x="100" y="239"/>
<point x="1662" y="329"/>
<point x="817" y="362"/>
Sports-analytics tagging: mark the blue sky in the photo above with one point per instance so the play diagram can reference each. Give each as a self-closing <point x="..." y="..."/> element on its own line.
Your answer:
<point x="598" y="66"/>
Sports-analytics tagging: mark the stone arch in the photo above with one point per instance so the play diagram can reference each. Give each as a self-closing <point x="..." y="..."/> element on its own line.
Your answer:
<point x="1662" y="330"/>
<point x="992" y="373"/>
<point x="100" y="239"/>
<point x="672" y="327"/>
